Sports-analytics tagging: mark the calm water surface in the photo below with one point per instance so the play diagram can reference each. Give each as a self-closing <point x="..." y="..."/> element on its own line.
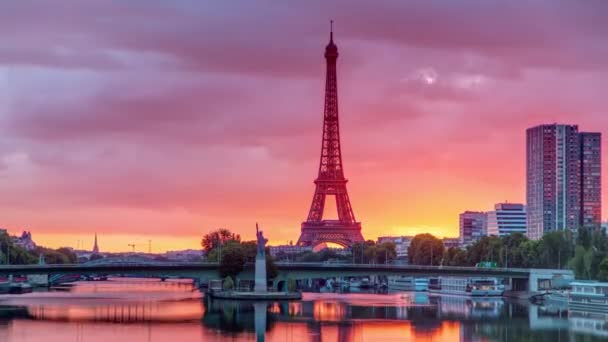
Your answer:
<point x="149" y="310"/>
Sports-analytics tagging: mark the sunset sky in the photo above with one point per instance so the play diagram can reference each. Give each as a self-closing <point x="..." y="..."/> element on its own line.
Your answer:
<point x="162" y="120"/>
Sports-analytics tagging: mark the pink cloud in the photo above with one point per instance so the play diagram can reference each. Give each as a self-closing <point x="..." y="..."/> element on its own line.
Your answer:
<point x="216" y="109"/>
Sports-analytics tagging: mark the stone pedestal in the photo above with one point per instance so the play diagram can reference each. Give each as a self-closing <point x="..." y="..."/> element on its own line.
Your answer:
<point x="261" y="285"/>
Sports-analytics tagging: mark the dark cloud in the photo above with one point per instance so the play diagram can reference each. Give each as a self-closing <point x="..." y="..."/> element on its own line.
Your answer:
<point x="212" y="106"/>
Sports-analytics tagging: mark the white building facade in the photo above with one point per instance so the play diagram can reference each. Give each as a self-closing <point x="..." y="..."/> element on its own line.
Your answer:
<point x="507" y="218"/>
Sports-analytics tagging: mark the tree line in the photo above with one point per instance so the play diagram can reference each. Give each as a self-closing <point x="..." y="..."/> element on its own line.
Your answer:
<point x="586" y="253"/>
<point x="11" y="253"/>
<point x="225" y="247"/>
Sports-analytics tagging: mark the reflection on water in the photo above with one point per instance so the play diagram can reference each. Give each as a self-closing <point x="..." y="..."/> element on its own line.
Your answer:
<point x="150" y="310"/>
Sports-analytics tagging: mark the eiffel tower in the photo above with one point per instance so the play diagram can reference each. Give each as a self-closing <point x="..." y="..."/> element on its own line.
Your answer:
<point x="345" y="230"/>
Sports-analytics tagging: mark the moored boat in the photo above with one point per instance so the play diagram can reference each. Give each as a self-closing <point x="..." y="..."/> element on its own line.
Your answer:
<point x="421" y="284"/>
<point x="591" y="296"/>
<point x="20" y="287"/>
<point x="475" y="287"/>
<point x="401" y="283"/>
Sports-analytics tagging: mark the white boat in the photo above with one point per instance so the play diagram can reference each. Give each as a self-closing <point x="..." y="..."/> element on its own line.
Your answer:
<point x="556" y="298"/>
<point x="363" y="283"/>
<point x="588" y="296"/>
<point x="401" y="283"/>
<point x="475" y="287"/>
<point x="341" y="284"/>
<point x="421" y="284"/>
<point x="20" y="287"/>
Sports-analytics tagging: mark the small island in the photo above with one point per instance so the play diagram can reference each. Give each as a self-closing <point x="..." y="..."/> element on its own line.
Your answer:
<point x="260" y="291"/>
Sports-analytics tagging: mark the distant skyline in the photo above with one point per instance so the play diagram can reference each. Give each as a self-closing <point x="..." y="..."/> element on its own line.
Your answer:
<point x="155" y="120"/>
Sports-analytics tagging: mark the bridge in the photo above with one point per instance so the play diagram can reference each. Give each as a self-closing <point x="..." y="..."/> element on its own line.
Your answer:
<point x="519" y="279"/>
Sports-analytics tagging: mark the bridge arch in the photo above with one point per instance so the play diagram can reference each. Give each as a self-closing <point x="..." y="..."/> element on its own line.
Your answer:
<point x="281" y="286"/>
<point x="339" y="242"/>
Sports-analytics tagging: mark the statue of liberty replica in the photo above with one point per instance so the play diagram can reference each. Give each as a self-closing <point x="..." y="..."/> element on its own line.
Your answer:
<point x="261" y="284"/>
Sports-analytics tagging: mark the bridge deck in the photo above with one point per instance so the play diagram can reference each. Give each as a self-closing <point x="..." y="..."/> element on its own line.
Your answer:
<point x="326" y="268"/>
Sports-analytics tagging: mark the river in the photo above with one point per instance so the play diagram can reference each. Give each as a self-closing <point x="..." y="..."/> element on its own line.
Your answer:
<point x="134" y="310"/>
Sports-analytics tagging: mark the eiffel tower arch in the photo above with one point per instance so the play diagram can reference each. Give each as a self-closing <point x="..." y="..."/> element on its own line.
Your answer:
<point x="330" y="181"/>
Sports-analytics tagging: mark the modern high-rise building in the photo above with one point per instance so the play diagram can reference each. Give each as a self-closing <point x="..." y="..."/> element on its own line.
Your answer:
<point x="472" y="226"/>
<point x="591" y="180"/>
<point x="558" y="160"/>
<point x="507" y="218"/>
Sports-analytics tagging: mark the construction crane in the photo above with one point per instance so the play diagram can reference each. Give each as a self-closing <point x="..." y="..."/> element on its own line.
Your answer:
<point x="132" y="245"/>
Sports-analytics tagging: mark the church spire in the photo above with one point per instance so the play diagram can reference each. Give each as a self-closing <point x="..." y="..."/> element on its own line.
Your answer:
<point x="95" y="246"/>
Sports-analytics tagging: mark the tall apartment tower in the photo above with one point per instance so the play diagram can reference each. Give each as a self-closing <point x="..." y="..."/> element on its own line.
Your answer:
<point x="559" y="160"/>
<point x="591" y="180"/>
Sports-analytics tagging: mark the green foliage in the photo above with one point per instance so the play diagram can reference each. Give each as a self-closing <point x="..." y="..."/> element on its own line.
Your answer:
<point x="530" y="255"/>
<point x="62" y="255"/>
<point x="386" y="252"/>
<point x="291" y="284"/>
<point x="233" y="260"/>
<point x="69" y="255"/>
<point x="583" y="238"/>
<point x="577" y="263"/>
<point x="425" y="249"/>
<point x="271" y="269"/>
<point x="555" y="249"/>
<point x="603" y="270"/>
<point x="10" y="253"/>
<point x="234" y="254"/>
<point x="515" y="250"/>
<point x="228" y="284"/>
<point x="218" y="237"/>
<point x="321" y="256"/>
<point x="455" y="257"/>
<point x="487" y="248"/>
<point x="359" y="253"/>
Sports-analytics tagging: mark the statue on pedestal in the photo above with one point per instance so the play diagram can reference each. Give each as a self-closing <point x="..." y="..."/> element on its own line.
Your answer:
<point x="260" y="262"/>
<point x="261" y="241"/>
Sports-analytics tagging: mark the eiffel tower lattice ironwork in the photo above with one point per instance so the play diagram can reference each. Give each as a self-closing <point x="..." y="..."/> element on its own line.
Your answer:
<point x="345" y="230"/>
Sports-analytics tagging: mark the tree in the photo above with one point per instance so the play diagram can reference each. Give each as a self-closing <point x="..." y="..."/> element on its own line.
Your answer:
<point x="577" y="263"/>
<point x="228" y="284"/>
<point x="357" y="252"/>
<point x="530" y="254"/>
<point x="555" y="249"/>
<point x="488" y="248"/>
<point x="386" y="252"/>
<point x="512" y="254"/>
<point x="370" y="253"/>
<point x="271" y="268"/>
<point x="291" y="285"/>
<point x="69" y="255"/>
<point x="603" y="270"/>
<point x="425" y="249"/>
<point x="455" y="257"/>
<point x="233" y="260"/>
<point x="218" y="238"/>
<point x="583" y="237"/>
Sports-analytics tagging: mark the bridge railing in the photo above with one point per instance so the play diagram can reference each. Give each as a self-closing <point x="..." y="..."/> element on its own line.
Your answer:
<point x="414" y="267"/>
